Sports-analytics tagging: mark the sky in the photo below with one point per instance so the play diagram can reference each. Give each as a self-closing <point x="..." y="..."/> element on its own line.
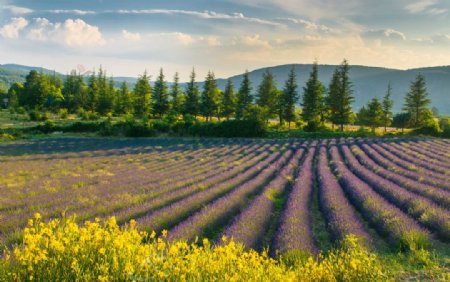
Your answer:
<point x="227" y="37"/>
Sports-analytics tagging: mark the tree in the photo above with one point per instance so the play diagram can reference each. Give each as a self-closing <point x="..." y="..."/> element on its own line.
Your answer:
<point x="75" y="92"/>
<point x="14" y="93"/>
<point x="401" y="120"/>
<point x="374" y="113"/>
<point x="289" y="98"/>
<point x="210" y="97"/>
<point x="362" y="117"/>
<point x="312" y="99"/>
<point x="106" y="94"/>
<point x="35" y="90"/>
<point x="266" y="95"/>
<point x="192" y="105"/>
<point x="340" y="97"/>
<point x="228" y="100"/>
<point x="387" y="105"/>
<point x="244" y="97"/>
<point x="142" y="95"/>
<point x="416" y="100"/>
<point x="176" y="94"/>
<point x="160" y="99"/>
<point x="125" y="99"/>
<point x="93" y="92"/>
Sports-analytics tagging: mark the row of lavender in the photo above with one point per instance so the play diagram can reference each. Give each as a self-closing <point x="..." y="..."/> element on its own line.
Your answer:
<point x="360" y="187"/>
<point x="258" y="192"/>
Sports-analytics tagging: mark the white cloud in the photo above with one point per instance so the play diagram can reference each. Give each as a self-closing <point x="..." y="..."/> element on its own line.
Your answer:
<point x="425" y="6"/>
<point x="394" y="34"/>
<point x="16" y="10"/>
<point x="437" y="11"/>
<point x="184" y="38"/>
<point x="78" y="33"/>
<point x="12" y="29"/>
<point x="71" y="32"/>
<point x="307" y="24"/>
<point x="253" y="41"/>
<point x="75" y="12"/>
<point x="131" y="36"/>
<point x="203" y="15"/>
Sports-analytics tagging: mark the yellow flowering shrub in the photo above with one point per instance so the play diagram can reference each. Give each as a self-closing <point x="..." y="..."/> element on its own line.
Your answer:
<point x="62" y="250"/>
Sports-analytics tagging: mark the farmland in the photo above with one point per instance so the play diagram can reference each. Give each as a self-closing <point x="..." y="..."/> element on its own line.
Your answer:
<point x="288" y="195"/>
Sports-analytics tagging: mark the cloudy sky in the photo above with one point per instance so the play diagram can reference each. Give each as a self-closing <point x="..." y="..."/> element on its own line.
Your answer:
<point x="128" y="37"/>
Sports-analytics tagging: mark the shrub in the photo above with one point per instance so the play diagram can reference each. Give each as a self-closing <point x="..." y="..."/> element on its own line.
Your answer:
<point x="62" y="250"/>
<point x="161" y="125"/>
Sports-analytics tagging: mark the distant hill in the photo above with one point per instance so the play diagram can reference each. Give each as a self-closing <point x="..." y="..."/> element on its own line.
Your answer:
<point x="368" y="82"/>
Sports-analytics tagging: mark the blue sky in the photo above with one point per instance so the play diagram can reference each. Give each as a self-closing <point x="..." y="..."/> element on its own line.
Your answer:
<point x="128" y="37"/>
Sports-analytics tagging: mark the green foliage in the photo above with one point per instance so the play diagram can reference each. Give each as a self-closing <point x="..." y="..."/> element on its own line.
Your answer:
<point x="210" y="97"/>
<point x="340" y="99"/>
<point x="387" y="105"/>
<point x="192" y="104"/>
<point x="229" y="128"/>
<point x="125" y="100"/>
<point x="177" y="96"/>
<point x="244" y="97"/>
<point x="267" y="94"/>
<point x="142" y="96"/>
<point x="312" y="99"/>
<point x="160" y="98"/>
<point x="228" y="104"/>
<point x="416" y="100"/>
<point x="288" y="98"/>
<point x="374" y="113"/>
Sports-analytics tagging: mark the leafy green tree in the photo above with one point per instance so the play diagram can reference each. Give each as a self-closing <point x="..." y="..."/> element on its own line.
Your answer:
<point x="228" y="100"/>
<point x="362" y="117"/>
<point x="374" y="113"/>
<point x="312" y="99"/>
<point x="210" y="97"/>
<point x="176" y="103"/>
<point x="267" y="95"/>
<point x="387" y="105"/>
<point x="289" y="98"/>
<point x="244" y="97"/>
<point x="142" y="96"/>
<point x="160" y="98"/>
<point x="340" y="97"/>
<point x="13" y="94"/>
<point x="33" y="94"/>
<point x="192" y="104"/>
<point x="93" y="92"/>
<point x="401" y="120"/>
<point x="416" y="100"/>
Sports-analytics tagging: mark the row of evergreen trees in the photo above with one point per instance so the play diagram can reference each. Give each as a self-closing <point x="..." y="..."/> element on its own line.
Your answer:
<point x="98" y="94"/>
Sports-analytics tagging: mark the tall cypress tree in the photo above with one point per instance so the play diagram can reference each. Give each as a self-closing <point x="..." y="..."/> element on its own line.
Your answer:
<point x="416" y="100"/>
<point x="228" y="100"/>
<point x="387" y="105"/>
<point x="244" y="97"/>
<point x="289" y="97"/>
<point x="160" y="98"/>
<point x="340" y="97"/>
<point x="142" y="94"/>
<point x="93" y="92"/>
<point x="176" y="94"/>
<point x="191" y="104"/>
<point x="210" y="97"/>
<point x="312" y="99"/>
<point x="266" y="95"/>
<point x="124" y="104"/>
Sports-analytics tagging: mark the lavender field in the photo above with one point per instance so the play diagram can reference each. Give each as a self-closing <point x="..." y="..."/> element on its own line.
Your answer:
<point x="283" y="194"/>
